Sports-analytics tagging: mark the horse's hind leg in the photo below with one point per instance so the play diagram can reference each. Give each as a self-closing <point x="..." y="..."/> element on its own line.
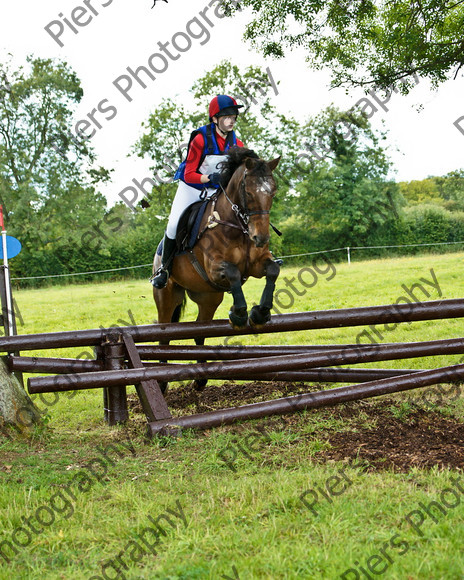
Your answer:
<point x="207" y="306"/>
<point x="261" y="314"/>
<point x="169" y="302"/>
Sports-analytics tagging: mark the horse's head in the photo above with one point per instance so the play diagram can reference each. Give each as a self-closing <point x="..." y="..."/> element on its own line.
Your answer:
<point x="255" y="189"/>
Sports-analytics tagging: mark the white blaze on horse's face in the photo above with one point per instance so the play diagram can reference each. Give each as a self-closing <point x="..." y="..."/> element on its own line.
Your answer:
<point x="264" y="186"/>
<point x="259" y="193"/>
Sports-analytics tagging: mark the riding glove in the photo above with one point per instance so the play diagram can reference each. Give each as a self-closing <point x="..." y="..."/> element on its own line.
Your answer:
<point x="214" y="179"/>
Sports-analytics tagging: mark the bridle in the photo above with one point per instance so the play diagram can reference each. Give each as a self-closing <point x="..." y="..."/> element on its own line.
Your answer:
<point x="242" y="213"/>
<point x="243" y="216"/>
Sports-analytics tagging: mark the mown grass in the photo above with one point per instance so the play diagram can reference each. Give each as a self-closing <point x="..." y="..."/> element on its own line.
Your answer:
<point x="246" y="522"/>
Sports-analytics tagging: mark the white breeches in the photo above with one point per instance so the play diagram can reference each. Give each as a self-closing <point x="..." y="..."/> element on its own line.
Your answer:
<point x="187" y="195"/>
<point x="184" y="197"/>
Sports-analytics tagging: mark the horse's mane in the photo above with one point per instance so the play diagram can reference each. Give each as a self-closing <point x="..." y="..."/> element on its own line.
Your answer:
<point x="236" y="156"/>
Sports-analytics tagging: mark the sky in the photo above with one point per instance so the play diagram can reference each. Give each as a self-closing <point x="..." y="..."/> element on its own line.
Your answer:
<point x="100" y="39"/>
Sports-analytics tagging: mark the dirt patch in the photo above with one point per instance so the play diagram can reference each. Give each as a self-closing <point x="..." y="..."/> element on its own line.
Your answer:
<point x="378" y="434"/>
<point x="233" y="394"/>
<point x="186" y="399"/>
<point x="422" y="439"/>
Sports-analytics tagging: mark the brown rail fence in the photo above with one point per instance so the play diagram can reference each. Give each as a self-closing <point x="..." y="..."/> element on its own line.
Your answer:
<point x="121" y="360"/>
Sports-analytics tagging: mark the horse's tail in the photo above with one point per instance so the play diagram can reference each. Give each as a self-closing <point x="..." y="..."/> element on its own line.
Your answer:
<point x="179" y="310"/>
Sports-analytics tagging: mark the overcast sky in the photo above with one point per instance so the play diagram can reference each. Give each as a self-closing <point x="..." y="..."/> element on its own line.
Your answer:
<point x="114" y="35"/>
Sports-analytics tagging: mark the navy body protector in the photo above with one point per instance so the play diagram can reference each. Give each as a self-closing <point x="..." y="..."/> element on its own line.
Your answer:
<point x="211" y="147"/>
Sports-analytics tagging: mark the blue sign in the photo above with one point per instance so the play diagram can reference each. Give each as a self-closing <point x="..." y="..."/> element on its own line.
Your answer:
<point x="13" y="247"/>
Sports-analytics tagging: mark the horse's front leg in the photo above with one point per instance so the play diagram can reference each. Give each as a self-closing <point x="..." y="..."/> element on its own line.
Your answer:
<point x="261" y="314"/>
<point x="238" y="315"/>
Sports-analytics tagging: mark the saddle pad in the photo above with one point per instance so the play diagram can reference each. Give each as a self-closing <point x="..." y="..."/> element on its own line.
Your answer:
<point x="188" y="228"/>
<point x="189" y="225"/>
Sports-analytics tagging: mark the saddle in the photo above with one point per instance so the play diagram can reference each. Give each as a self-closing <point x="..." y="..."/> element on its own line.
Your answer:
<point x="188" y="227"/>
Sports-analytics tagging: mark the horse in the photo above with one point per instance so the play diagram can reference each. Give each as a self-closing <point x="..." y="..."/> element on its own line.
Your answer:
<point x="232" y="245"/>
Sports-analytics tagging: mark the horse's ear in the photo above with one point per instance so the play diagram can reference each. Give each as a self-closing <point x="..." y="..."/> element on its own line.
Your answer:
<point x="250" y="163"/>
<point x="273" y="164"/>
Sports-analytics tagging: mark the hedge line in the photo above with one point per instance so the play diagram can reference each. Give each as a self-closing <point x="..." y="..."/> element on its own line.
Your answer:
<point x="422" y="224"/>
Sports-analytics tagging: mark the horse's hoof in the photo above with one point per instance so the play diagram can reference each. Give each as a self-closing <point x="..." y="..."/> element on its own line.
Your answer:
<point x="199" y="385"/>
<point x="238" y="320"/>
<point x="259" y="316"/>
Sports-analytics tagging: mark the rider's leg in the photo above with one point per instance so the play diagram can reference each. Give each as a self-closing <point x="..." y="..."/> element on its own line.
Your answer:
<point x="184" y="197"/>
<point x="160" y="279"/>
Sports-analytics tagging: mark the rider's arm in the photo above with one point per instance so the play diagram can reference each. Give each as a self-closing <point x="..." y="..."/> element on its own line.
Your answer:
<point x="191" y="174"/>
<point x="195" y="153"/>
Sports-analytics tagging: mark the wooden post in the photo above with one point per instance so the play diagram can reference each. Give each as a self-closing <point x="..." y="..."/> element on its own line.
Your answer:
<point x="6" y="313"/>
<point x="100" y="355"/>
<point x="150" y="394"/>
<point x="8" y="318"/>
<point x="114" y="398"/>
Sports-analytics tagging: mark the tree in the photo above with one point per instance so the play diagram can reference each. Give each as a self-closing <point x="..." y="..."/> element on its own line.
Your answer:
<point x="451" y="188"/>
<point x="46" y="179"/>
<point x="446" y="191"/>
<point x="363" y="42"/>
<point x="347" y="195"/>
<point x="421" y="191"/>
<point x="16" y="408"/>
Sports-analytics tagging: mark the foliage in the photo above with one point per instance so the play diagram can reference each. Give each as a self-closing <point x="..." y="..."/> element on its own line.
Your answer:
<point x="47" y="190"/>
<point x="421" y="191"/>
<point x="428" y="223"/>
<point x="451" y="189"/>
<point x="363" y="41"/>
<point x="346" y="193"/>
<point x="446" y="191"/>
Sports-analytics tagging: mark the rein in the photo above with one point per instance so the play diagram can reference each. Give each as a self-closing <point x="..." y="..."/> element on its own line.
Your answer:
<point x="241" y="213"/>
<point x="214" y="220"/>
<point x="243" y="217"/>
<point x="245" y="214"/>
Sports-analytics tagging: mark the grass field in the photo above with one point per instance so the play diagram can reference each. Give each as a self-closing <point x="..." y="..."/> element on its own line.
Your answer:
<point x="262" y="499"/>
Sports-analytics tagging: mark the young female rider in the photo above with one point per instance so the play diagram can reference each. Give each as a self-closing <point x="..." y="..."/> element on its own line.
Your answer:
<point x="199" y="174"/>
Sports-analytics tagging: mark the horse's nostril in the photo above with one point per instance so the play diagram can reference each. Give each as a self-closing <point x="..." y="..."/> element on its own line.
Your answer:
<point x="260" y="241"/>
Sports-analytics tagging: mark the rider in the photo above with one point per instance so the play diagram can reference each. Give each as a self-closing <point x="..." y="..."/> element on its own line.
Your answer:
<point x="199" y="173"/>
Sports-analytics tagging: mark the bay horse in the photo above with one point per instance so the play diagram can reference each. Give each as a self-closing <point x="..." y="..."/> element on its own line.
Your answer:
<point x="233" y="245"/>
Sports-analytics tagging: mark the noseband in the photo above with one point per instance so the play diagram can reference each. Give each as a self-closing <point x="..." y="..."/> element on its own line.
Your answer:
<point x="243" y="214"/>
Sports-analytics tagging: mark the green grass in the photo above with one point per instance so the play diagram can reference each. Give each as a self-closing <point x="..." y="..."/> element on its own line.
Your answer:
<point x="251" y="518"/>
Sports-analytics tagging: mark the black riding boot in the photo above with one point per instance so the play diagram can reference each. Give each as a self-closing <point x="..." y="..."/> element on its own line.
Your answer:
<point x="161" y="276"/>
